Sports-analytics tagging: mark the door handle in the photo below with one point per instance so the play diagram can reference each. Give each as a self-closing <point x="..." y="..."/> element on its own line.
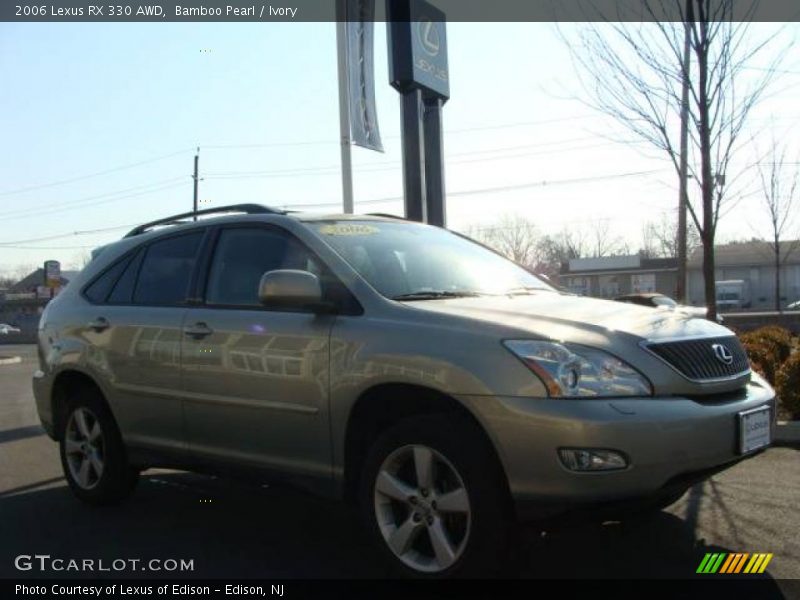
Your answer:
<point x="99" y="324"/>
<point x="198" y="330"/>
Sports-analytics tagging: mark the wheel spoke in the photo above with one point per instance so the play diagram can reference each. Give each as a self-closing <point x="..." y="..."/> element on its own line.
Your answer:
<point x="389" y="485"/>
<point x="80" y="420"/>
<point x="445" y="554"/>
<point x="455" y="501"/>
<point x="95" y="432"/>
<point x="97" y="464"/>
<point x="423" y="464"/>
<point x="72" y="446"/>
<point x="83" y="474"/>
<point x="403" y="537"/>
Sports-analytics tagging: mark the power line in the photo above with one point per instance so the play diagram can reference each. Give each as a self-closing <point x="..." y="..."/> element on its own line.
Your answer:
<point x="86" y="202"/>
<point x="447" y="131"/>
<point x="63" y="235"/>
<point x="392" y="165"/>
<point x="506" y="188"/>
<point x="49" y="247"/>
<point x="543" y="183"/>
<point x="90" y="175"/>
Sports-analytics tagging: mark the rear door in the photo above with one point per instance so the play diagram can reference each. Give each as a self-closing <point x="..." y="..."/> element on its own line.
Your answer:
<point x="256" y="379"/>
<point x="135" y="328"/>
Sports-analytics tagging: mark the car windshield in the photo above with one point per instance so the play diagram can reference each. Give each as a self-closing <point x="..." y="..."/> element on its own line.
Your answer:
<point x="411" y="261"/>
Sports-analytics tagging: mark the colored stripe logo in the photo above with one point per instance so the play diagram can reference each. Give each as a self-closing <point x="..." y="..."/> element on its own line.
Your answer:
<point x="739" y="562"/>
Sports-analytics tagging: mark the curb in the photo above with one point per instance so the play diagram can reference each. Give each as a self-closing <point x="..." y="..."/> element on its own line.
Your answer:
<point x="10" y="360"/>
<point x="787" y="433"/>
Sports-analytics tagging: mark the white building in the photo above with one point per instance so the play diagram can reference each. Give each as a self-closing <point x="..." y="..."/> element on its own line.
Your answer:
<point x="754" y="263"/>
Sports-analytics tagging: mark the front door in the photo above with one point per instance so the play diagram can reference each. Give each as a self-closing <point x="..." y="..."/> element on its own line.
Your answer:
<point x="255" y="379"/>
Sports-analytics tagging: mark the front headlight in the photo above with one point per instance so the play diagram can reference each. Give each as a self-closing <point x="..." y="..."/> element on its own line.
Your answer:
<point x="574" y="371"/>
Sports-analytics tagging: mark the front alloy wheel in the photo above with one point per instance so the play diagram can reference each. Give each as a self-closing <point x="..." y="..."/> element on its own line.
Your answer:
<point x="422" y="508"/>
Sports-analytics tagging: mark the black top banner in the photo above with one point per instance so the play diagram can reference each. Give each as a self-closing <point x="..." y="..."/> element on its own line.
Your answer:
<point x="454" y="10"/>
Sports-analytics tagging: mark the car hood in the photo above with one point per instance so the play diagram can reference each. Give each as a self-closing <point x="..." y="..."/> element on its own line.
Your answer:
<point x="569" y="317"/>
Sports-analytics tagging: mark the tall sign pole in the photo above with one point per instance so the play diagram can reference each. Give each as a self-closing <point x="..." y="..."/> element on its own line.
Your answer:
<point x="434" y="162"/>
<point x="344" y="108"/>
<point x="418" y="70"/>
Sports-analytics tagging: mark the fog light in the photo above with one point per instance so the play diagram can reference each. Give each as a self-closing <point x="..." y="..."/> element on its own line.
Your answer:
<point x="590" y="459"/>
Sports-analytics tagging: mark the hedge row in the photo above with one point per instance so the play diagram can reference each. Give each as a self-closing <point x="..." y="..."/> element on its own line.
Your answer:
<point x="772" y="355"/>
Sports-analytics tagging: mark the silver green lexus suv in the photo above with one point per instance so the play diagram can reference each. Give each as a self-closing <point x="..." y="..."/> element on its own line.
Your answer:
<point x="443" y="389"/>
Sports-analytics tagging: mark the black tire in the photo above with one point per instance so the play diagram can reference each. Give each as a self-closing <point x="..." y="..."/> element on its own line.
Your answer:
<point x="467" y="450"/>
<point x="117" y="479"/>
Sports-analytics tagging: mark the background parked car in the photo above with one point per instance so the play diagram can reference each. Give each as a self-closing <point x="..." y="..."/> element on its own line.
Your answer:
<point x="5" y="329"/>
<point x="656" y="300"/>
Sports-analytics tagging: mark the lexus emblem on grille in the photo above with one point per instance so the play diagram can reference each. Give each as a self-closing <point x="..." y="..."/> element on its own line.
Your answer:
<point x="722" y="353"/>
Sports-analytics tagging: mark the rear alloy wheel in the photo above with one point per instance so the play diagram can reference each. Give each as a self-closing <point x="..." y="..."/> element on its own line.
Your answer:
<point x="84" y="448"/>
<point x="93" y="455"/>
<point x="422" y="508"/>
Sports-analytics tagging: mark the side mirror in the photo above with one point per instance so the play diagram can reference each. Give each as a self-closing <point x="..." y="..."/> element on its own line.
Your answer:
<point x="290" y="288"/>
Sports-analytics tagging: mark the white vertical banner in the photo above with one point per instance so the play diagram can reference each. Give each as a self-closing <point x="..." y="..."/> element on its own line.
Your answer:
<point x="360" y="25"/>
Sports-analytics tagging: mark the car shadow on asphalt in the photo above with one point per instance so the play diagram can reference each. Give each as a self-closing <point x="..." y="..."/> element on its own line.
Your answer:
<point x="21" y="433"/>
<point x="235" y="529"/>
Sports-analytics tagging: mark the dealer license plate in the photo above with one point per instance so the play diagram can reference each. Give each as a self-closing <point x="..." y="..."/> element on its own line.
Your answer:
<point x="754" y="429"/>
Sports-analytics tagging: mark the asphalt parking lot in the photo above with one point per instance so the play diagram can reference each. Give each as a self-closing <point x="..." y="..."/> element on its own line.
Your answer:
<point x="242" y="530"/>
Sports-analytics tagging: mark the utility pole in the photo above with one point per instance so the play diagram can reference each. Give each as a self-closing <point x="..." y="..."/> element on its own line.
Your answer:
<point x="344" y="109"/>
<point x="683" y="199"/>
<point x="196" y="160"/>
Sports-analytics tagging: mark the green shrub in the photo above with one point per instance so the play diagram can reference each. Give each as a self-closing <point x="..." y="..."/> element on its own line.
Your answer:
<point x="787" y="385"/>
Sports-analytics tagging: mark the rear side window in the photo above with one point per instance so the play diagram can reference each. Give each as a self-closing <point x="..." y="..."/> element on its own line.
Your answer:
<point x="99" y="289"/>
<point x="167" y="269"/>
<point x="123" y="290"/>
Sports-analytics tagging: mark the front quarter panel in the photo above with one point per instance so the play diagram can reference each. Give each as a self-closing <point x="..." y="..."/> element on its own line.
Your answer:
<point x="444" y="356"/>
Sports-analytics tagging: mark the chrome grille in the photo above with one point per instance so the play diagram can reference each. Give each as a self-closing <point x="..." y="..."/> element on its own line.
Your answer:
<point x="697" y="359"/>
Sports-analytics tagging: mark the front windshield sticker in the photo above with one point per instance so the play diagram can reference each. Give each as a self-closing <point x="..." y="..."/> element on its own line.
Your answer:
<point x="348" y="229"/>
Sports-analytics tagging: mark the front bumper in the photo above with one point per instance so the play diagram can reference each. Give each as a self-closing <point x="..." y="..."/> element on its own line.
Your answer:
<point x="666" y="440"/>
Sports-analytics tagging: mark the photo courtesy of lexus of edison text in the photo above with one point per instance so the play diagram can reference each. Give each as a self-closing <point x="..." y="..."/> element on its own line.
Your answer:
<point x="358" y="297"/>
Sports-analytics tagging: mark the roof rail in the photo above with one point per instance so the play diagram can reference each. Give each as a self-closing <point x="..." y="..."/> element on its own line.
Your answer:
<point x="250" y="209"/>
<point x="387" y="215"/>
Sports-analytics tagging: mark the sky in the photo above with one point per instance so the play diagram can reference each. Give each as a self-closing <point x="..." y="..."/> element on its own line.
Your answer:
<point x="99" y="124"/>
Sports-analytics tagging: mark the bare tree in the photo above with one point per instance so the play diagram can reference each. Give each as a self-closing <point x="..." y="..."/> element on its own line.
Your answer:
<point x="635" y="72"/>
<point x="557" y="249"/>
<point x="513" y="236"/>
<point x="80" y="260"/>
<point x="22" y="270"/>
<point x="660" y="238"/>
<point x="779" y="187"/>
<point x="604" y="242"/>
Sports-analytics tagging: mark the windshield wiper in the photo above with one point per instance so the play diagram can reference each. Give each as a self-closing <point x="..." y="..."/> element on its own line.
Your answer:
<point x="435" y="295"/>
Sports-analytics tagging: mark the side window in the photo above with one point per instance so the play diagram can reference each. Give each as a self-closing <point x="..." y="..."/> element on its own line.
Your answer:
<point x="166" y="270"/>
<point x="98" y="290"/>
<point x="123" y="290"/>
<point x="244" y="254"/>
